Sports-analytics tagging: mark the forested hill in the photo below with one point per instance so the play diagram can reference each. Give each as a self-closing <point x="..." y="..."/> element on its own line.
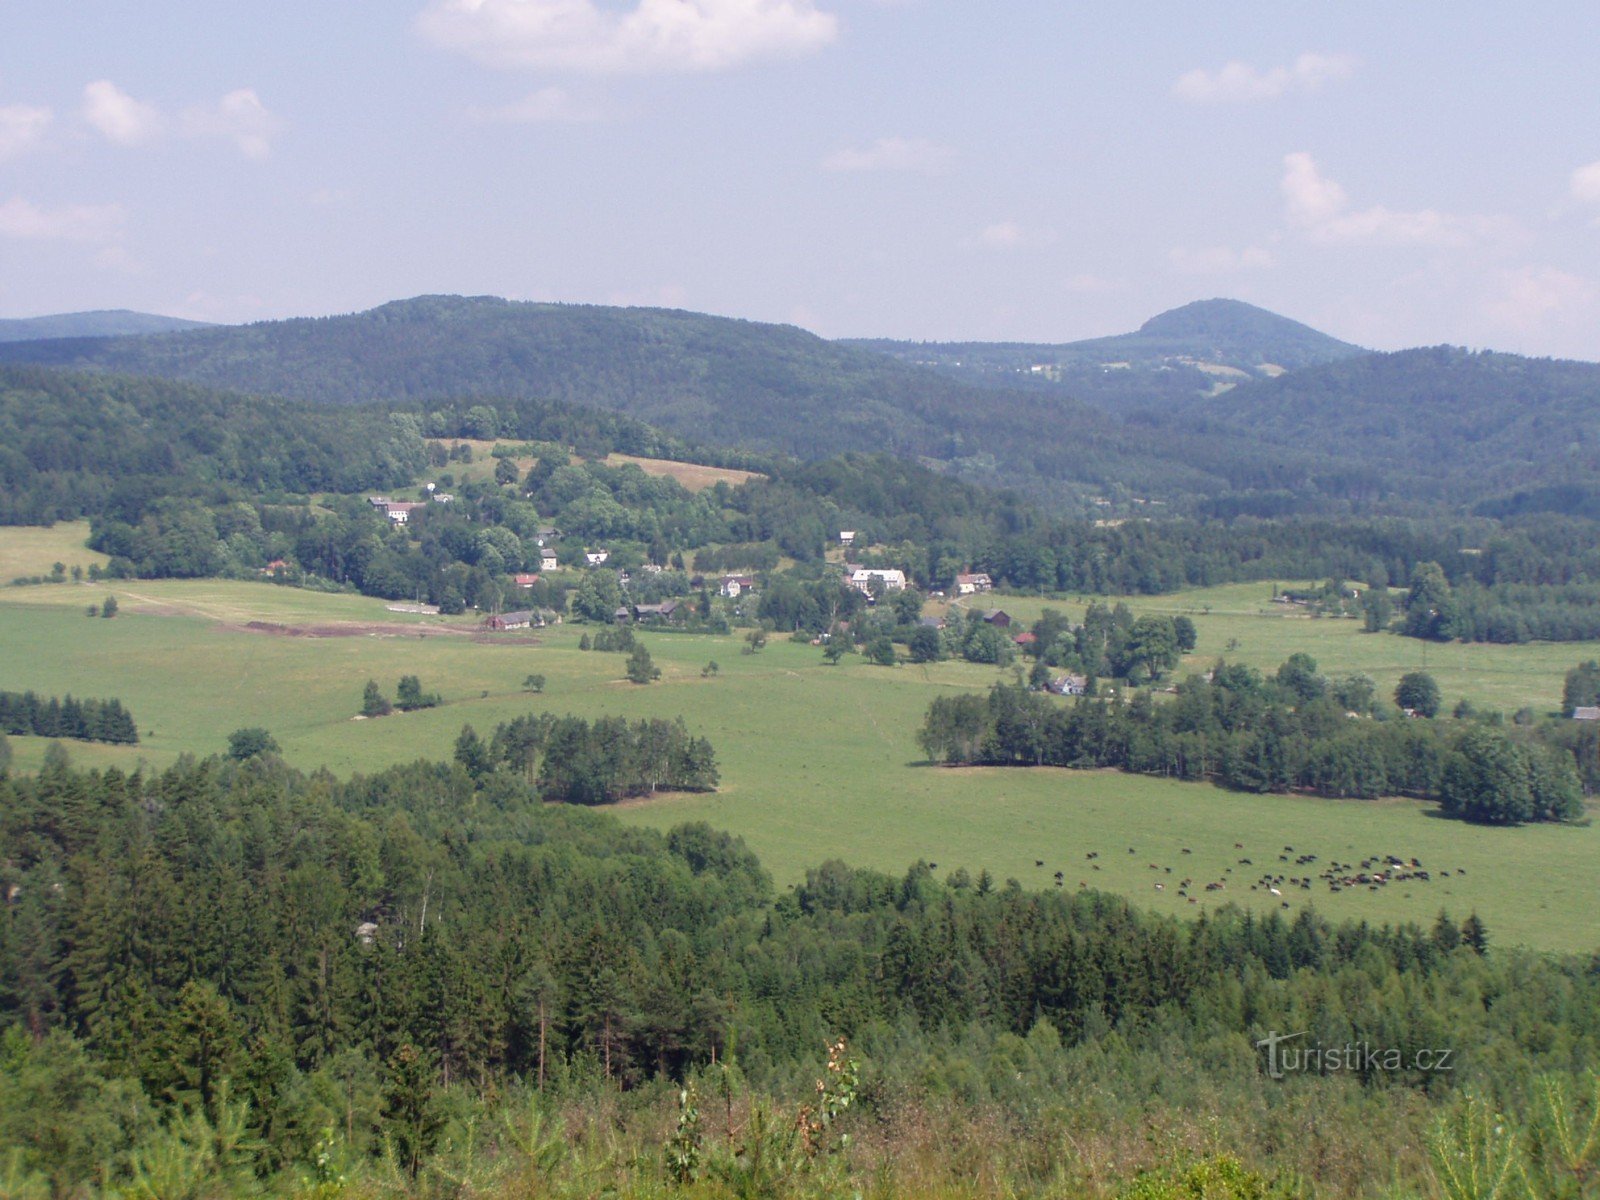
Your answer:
<point x="1460" y="424"/>
<point x="1177" y="354"/>
<point x="1391" y="432"/>
<point x="118" y="322"/>
<point x="708" y="378"/>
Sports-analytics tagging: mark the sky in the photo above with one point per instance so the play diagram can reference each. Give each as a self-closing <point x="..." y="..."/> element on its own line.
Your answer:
<point x="1396" y="174"/>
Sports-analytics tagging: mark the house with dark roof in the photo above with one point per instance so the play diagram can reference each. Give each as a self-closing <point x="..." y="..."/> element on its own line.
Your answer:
<point x="508" y="620"/>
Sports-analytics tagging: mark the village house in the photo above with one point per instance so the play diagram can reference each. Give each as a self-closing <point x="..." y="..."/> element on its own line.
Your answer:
<point x="443" y="498"/>
<point x="399" y="511"/>
<point x="966" y="584"/>
<point x="548" y="561"/>
<point x="525" y="580"/>
<point x="595" y="557"/>
<point x="892" y="578"/>
<point x="998" y="617"/>
<point x="1069" y="685"/>
<point x="734" y="586"/>
<point x="665" y="612"/>
<point x="847" y="537"/>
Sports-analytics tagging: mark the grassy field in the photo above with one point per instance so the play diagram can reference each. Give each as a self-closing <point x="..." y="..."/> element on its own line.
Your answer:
<point x="818" y="762"/>
<point x="694" y="476"/>
<point x="29" y="550"/>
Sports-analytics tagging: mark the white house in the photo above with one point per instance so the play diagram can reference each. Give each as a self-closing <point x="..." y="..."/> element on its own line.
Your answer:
<point x="966" y="585"/>
<point x="847" y="537"/>
<point x="596" y="557"/>
<point x="734" y="586"/>
<point x="548" y="561"/>
<point x="893" y="579"/>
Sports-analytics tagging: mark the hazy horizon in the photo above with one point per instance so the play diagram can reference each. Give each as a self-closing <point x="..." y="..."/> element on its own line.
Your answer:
<point x="860" y="168"/>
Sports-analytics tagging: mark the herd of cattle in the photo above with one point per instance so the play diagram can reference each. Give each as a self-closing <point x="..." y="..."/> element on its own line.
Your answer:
<point x="1375" y="872"/>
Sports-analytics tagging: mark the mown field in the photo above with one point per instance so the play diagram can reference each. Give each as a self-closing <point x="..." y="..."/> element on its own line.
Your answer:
<point x="818" y="762"/>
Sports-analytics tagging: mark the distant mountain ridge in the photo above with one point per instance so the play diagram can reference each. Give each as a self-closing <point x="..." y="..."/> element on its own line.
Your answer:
<point x="111" y="322"/>
<point x="1185" y="351"/>
<point x="715" y="379"/>
<point x="1355" y="432"/>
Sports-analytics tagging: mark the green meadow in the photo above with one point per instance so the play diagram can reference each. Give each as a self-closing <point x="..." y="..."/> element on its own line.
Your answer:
<point x="817" y="762"/>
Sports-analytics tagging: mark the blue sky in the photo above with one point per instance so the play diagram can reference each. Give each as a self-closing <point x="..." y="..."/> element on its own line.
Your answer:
<point x="1395" y="174"/>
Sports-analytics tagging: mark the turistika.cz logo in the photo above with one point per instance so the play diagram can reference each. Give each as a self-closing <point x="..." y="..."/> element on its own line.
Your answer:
<point x="1286" y="1055"/>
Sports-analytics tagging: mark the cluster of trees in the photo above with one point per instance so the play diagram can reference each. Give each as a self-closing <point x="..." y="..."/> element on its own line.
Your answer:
<point x="285" y="968"/>
<point x="573" y="761"/>
<point x="27" y="714"/>
<point x="1296" y="731"/>
<point x="1503" y="612"/>
<point x="408" y="696"/>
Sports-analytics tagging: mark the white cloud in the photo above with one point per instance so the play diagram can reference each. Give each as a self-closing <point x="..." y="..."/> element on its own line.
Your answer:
<point x="118" y="116"/>
<point x="652" y="35"/>
<point x="1320" y="208"/>
<point x="1219" y="260"/>
<point x="1585" y="186"/>
<point x="21" y="128"/>
<point x="241" y="118"/>
<point x="893" y="154"/>
<point x="1241" y="83"/>
<point x="1531" y="298"/>
<point x="548" y="105"/>
<point x="26" y="221"/>
<point x="1008" y="235"/>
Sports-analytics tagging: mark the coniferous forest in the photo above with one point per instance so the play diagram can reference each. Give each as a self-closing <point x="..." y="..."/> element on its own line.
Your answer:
<point x="230" y="977"/>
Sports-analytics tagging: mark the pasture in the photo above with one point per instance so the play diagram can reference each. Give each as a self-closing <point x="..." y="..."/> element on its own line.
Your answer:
<point x="817" y="762"/>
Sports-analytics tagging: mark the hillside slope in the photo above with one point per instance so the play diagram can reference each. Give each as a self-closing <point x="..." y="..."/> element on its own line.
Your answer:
<point x="1435" y="422"/>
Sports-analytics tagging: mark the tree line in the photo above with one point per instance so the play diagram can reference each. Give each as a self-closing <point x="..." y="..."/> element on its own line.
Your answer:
<point x="1295" y="732"/>
<point x="27" y="714"/>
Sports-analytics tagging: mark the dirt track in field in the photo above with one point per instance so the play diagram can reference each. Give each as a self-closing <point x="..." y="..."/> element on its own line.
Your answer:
<point x="379" y="629"/>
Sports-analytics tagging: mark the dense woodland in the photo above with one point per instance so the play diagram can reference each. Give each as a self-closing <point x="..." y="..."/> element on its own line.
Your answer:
<point x="238" y="966"/>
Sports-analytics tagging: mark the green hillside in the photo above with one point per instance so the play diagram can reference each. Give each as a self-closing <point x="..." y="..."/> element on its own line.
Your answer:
<point x="1459" y="424"/>
<point x="117" y="322"/>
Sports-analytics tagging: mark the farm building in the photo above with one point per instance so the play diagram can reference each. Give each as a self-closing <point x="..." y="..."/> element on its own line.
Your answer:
<point x="1586" y="712"/>
<point x="998" y="617"/>
<point x="667" y="610"/>
<point x="508" y="620"/>
<point x="525" y="580"/>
